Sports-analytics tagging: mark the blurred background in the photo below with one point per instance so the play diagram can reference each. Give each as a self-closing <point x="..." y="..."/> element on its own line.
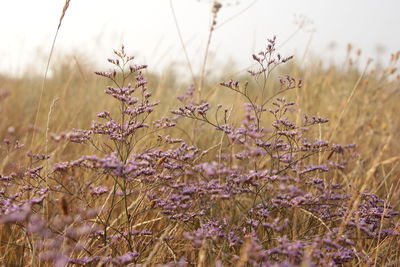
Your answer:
<point x="91" y="29"/>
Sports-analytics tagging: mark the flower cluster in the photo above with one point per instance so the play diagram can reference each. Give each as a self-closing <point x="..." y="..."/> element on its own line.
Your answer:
<point x="271" y="194"/>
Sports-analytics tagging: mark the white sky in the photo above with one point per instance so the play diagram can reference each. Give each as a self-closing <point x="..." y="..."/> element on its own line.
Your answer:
<point x="95" y="27"/>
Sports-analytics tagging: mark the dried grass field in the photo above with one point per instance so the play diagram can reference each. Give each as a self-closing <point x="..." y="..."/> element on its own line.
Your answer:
<point x="287" y="164"/>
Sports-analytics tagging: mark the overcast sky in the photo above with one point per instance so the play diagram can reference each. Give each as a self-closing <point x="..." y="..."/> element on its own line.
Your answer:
<point x="95" y="27"/>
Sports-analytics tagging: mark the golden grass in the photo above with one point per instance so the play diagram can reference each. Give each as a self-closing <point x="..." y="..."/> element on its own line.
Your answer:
<point x="363" y="108"/>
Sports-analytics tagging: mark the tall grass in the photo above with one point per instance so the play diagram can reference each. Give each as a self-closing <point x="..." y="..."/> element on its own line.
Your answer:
<point x="287" y="165"/>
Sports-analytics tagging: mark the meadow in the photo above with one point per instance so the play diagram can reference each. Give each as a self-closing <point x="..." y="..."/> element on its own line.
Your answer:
<point x="287" y="164"/>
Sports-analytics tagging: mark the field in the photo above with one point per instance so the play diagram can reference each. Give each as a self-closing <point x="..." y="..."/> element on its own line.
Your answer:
<point x="288" y="164"/>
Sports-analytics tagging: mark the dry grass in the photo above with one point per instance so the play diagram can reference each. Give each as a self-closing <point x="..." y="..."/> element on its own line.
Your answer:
<point x="362" y="105"/>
